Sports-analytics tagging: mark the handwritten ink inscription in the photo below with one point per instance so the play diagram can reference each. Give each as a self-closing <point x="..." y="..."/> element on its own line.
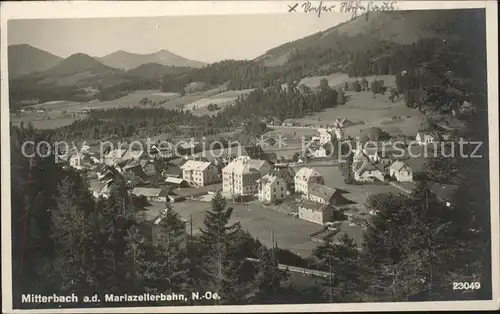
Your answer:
<point x="354" y="7"/>
<point x="358" y="7"/>
<point x="309" y="7"/>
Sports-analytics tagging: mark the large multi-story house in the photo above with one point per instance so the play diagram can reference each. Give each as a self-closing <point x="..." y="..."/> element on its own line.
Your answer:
<point x="240" y="176"/>
<point x="272" y="187"/>
<point x="305" y="178"/>
<point x="199" y="173"/>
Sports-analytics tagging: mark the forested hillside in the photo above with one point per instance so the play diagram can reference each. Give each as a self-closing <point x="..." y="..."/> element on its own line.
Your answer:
<point x="356" y="47"/>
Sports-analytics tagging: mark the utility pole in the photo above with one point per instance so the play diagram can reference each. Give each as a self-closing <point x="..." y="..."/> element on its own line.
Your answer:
<point x="330" y="276"/>
<point x="191" y="227"/>
<point x="274" y="246"/>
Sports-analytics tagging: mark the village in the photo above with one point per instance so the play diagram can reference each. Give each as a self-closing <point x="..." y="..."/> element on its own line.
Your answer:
<point x="311" y="191"/>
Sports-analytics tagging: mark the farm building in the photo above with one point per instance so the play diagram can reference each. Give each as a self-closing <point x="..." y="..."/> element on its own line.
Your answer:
<point x="325" y="195"/>
<point x="178" y="182"/>
<point x="316" y="212"/>
<point x="152" y="194"/>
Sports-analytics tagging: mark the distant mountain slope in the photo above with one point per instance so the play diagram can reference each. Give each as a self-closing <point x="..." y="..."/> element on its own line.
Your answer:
<point x="77" y="63"/>
<point x="25" y="59"/>
<point x="126" y="60"/>
<point x="155" y="70"/>
<point x="394" y="28"/>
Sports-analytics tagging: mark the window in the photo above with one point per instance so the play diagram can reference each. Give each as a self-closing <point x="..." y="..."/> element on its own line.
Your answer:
<point x="274" y="189"/>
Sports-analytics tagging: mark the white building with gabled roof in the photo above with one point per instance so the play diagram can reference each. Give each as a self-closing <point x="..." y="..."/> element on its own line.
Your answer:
<point x="305" y="177"/>
<point x="199" y="173"/>
<point x="401" y="172"/>
<point x="272" y="187"/>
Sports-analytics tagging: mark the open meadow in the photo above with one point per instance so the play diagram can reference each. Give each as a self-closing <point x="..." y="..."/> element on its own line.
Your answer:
<point x="365" y="111"/>
<point x="259" y="221"/>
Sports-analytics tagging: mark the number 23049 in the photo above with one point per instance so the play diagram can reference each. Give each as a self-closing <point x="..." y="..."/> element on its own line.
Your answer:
<point x="466" y="285"/>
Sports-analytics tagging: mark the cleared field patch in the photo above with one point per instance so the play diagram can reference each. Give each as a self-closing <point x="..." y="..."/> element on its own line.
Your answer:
<point x="338" y="79"/>
<point x="366" y="111"/>
<point x="234" y="93"/>
<point x="132" y="99"/>
<point x="42" y="122"/>
<point x="204" y="102"/>
<point x="223" y="99"/>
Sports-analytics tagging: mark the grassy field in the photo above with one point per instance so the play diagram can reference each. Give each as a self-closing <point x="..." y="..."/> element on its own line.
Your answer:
<point x="260" y="222"/>
<point x="365" y="112"/>
<point x="361" y="108"/>
<point x="222" y="99"/>
<point x="42" y="122"/>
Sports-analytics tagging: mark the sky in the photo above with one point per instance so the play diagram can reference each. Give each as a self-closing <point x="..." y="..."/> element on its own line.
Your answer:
<point x="203" y="38"/>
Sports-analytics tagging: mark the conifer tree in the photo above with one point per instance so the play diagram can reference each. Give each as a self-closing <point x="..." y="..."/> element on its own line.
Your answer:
<point x="220" y="267"/>
<point x="73" y="235"/>
<point x="343" y="262"/>
<point x="269" y="278"/>
<point x="169" y="270"/>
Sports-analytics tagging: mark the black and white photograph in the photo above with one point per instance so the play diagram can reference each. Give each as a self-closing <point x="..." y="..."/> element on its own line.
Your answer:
<point x="249" y="156"/>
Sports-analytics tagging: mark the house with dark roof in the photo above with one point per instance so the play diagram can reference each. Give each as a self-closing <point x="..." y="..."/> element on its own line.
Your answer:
<point x="173" y="170"/>
<point x="367" y="172"/>
<point x="326" y="195"/>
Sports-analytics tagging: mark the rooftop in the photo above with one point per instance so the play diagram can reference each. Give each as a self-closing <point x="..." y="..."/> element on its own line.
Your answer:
<point x="322" y="191"/>
<point x="148" y="192"/>
<point x="195" y="165"/>
<point x="305" y="173"/>
<point x="244" y="164"/>
<point x="315" y="206"/>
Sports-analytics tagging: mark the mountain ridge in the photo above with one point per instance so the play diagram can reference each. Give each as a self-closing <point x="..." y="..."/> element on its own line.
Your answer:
<point x="125" y="60"/>
<point x="24" y="59"/>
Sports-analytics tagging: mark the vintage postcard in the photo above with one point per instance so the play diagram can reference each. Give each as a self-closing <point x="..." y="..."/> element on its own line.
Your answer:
<point x="249" y="156"/>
